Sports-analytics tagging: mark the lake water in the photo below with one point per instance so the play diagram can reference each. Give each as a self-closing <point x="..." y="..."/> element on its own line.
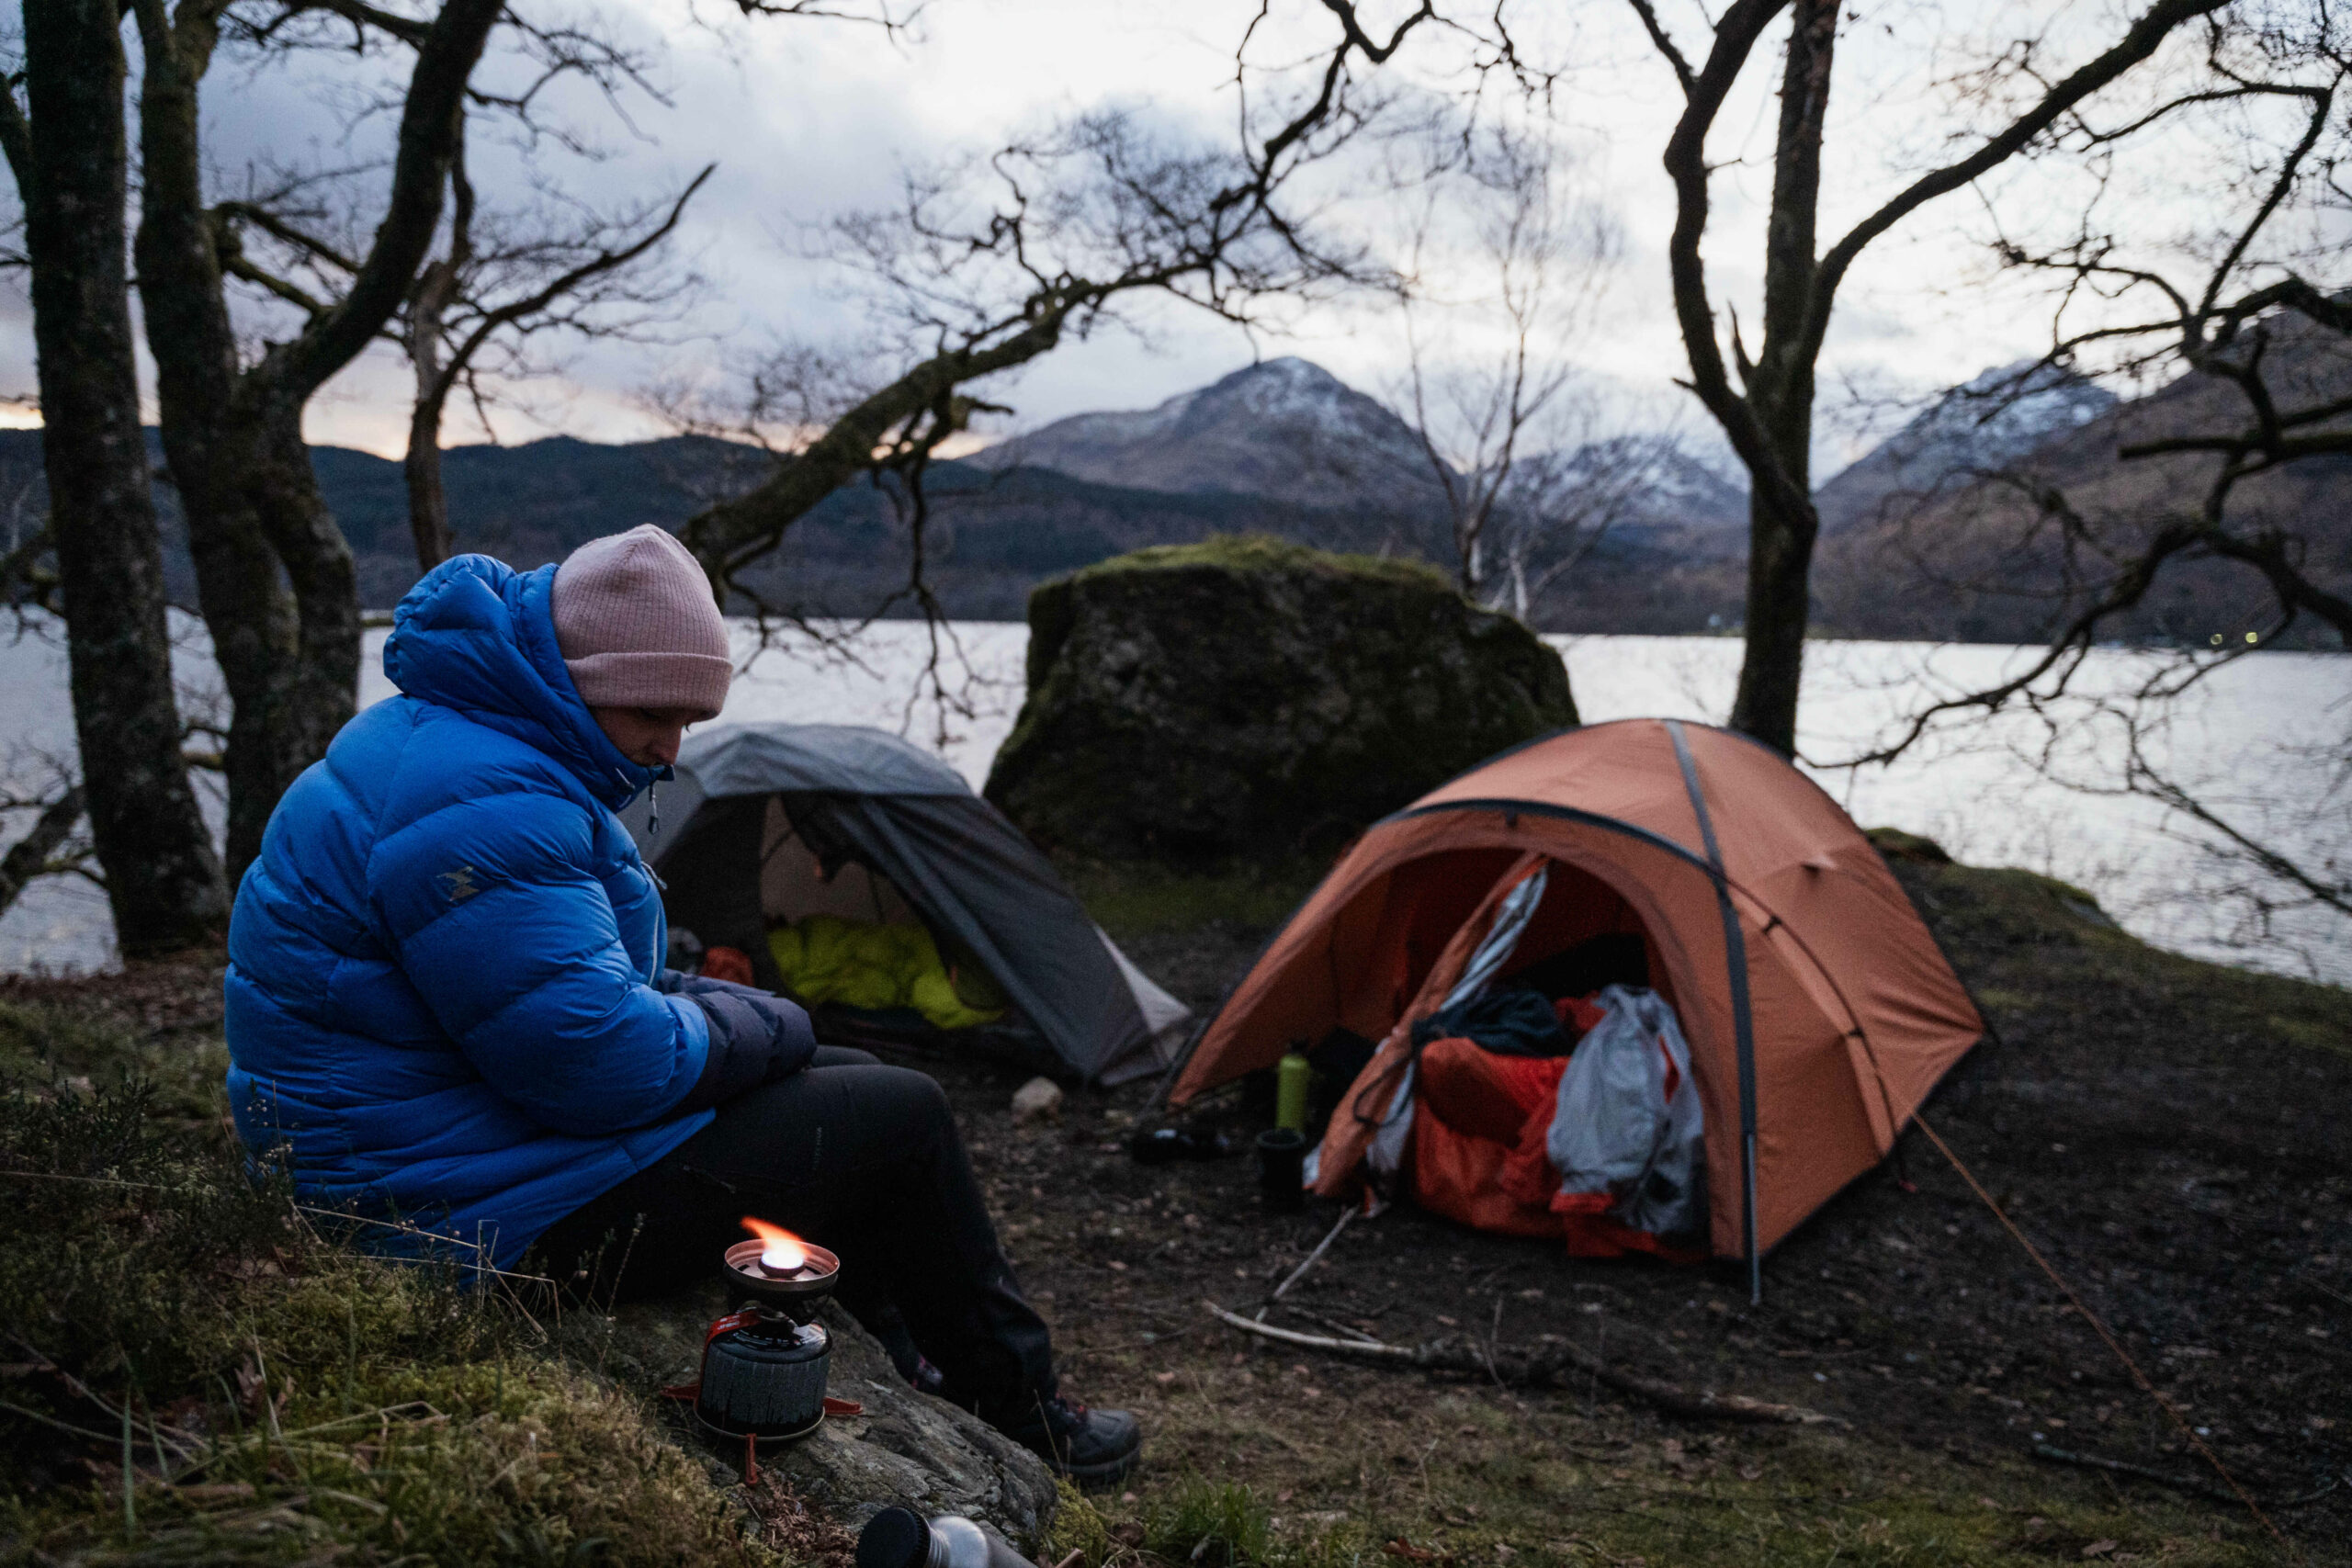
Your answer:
<point x="2263" y="738"/>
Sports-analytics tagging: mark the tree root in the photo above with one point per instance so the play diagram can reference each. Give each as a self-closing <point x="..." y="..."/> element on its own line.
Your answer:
<point x="1536" y="1368"/>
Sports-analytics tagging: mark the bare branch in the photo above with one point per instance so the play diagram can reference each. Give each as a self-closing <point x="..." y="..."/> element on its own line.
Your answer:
<point x="34" y="855"/>
<point x="279" y="228"/>
<point x="1666" y="45"/>
<point x="428" y="140"/>
<point x="2141" y="40"/>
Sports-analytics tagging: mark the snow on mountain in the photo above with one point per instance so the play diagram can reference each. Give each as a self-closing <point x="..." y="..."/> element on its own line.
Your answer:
<point x="1286" y="429"/>
<point x="1974" y="428"/>
<point x="1648" y="483"/>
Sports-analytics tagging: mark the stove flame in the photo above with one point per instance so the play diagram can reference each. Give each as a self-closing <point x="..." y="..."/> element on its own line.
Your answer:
<point x="780" y="1251"/>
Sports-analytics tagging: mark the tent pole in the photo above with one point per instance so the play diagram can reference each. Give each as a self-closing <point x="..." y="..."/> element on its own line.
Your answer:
<point x="1743" y="1021"/>
<point x="1755" y="1259"/>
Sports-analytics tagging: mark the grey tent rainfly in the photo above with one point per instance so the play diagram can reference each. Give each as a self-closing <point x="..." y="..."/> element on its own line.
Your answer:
<point x="780" y="821"/>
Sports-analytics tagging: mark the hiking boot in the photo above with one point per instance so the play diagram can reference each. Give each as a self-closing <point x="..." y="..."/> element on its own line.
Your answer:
<point x="1093" y="1448"/>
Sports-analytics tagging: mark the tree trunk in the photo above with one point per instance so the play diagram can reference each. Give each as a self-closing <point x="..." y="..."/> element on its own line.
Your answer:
<point x="428" y="309"/>
<point x="274" y="572"/>
<point x="1781" y="523"/>
<point x="428" y="501"/>
<point x="323" y="686"/>
<point x="163" y="878"/>
<point x="246" y="604"/>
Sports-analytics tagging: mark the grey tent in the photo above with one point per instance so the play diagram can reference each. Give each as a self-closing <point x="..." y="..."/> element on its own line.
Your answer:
<point x="779" y="821"/>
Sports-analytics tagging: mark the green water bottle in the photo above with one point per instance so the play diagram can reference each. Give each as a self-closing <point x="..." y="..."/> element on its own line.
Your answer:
<point x="1290" y="1092"/>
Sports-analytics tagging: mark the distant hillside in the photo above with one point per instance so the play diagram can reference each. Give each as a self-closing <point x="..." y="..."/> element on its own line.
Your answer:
<point x="1977" y="556"/>
<point x="1682" y="496"/>
<point x="992" y="536"/>
<point x="1914" y="546"/>
<point x="1986" y="425"/>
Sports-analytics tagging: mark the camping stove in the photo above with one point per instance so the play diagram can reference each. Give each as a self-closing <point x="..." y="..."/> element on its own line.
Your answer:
<point x="764" y="1366"/>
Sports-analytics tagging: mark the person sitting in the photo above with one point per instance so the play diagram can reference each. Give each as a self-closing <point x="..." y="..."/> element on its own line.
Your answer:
<point x="446" y="1004"/>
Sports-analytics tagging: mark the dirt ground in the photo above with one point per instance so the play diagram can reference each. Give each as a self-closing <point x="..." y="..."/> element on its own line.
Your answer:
<point x="2172" y="1135"/>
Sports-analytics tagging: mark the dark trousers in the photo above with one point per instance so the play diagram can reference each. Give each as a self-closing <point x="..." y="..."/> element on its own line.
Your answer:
<point x="856" y="1157"/>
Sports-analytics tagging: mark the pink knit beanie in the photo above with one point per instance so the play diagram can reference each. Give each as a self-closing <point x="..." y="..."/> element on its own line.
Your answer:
<point x="637" y="627"/>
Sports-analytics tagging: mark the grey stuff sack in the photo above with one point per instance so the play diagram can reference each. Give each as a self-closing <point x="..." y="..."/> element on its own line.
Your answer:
<point x="1616" y="1129"/>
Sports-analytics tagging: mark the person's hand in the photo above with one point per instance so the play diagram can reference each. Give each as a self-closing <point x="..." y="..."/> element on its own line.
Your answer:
<point x="687" y="985"/>
<point x="755" y="1037"/>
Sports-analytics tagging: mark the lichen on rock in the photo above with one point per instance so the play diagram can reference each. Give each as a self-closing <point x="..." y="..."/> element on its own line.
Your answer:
<point x="1249" y="696"/>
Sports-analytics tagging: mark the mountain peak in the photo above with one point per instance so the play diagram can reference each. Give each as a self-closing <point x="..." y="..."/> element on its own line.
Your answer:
<point x="1289" y="371"/>
<point x="1284" y="428"/>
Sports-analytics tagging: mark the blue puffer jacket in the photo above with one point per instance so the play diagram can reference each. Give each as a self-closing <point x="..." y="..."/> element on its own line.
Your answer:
<point x="444" y="994"/>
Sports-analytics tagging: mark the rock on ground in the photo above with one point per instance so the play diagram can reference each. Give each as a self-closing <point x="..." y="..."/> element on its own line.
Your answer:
<point x="911" y="1449"/>
<point x="1039" y="1100"/>
<point x="908" y="1449"/>
<point x="1247" y="696"/>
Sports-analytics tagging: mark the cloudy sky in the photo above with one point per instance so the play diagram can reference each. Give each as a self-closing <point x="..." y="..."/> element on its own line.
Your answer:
<point x="807" y="120"/>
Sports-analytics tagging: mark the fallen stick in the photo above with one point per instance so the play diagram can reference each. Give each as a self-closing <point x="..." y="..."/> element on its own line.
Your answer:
<point x="1300" y="1272"/>
<point x="2189" y="1483"/>
<point x="1333" y="1324"/>
<point x="1535" y="1367"/>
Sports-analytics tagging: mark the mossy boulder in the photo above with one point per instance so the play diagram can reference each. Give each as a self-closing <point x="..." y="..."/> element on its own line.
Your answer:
<point x="1247" y="696"/>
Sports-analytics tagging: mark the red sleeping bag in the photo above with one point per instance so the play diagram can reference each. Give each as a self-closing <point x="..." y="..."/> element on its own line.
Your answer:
<point x="1478" y="1153"/>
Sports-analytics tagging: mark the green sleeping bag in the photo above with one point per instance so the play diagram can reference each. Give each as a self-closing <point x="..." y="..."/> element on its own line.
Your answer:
<point x="827" y="959"/>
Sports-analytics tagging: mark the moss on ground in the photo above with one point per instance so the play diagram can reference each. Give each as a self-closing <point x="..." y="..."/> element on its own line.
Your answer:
<point x="46" y="1047"/>
<point x="1508" y="1498"/>
<point x="2035" y="945"/>
<point x="195" y="1375"/>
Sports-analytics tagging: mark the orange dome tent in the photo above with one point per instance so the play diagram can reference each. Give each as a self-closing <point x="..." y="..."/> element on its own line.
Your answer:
<point x="1818" y="1009"/>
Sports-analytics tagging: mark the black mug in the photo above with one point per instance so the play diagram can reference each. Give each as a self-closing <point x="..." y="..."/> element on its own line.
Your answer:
<point x="1282" y="1171"/>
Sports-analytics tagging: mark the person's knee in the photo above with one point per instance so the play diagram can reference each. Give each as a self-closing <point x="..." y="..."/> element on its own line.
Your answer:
<point x="843" y="1056"/>
<point x="919" y="1099"/>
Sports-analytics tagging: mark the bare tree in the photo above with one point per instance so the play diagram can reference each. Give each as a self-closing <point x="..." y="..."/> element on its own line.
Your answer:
<point x="1767" y="417"/>
<point x="274" y="573"/>
<point x="1050" y="238"/>
<point x="1539" y="261"/>
<point x="2226" y="473"/>
<point x="496" y="288"/>
<point x="1766" y="412"/>
<point x="66" y="146"/>
<point x="1529" y="470"/>
<point x="1563" y="501"/>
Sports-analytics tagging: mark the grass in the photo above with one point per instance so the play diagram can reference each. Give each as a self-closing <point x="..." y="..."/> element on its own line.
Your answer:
<point x="1519" y="1492"/>
<point x="47" y="1048"/>
<point x="195" y="1374"/>
<point x="1135" y="900"/>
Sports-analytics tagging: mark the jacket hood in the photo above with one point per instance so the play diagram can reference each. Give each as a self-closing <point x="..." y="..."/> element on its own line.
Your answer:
<point x="478" y="637"/>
